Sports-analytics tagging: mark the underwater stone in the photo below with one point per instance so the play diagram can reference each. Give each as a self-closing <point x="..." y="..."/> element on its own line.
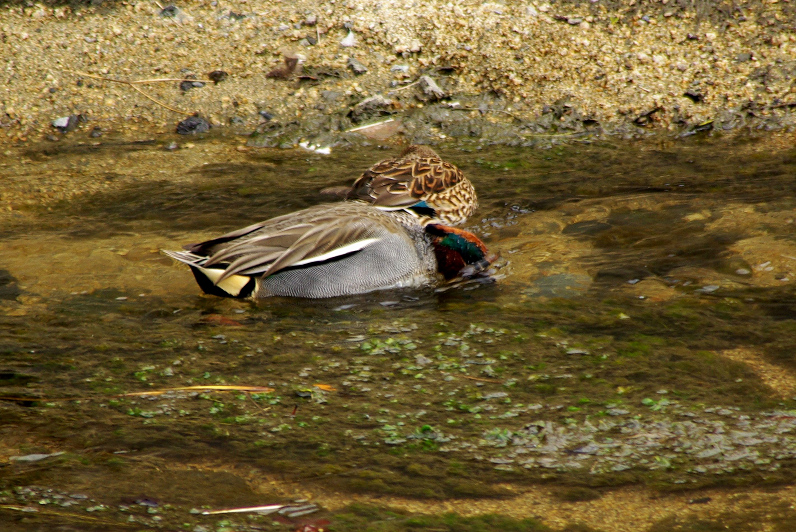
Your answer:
<point x="193" y="125"/>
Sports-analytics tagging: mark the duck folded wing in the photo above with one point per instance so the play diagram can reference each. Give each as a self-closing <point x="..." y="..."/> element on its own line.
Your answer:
<point x="265" y="251"/>
<point x="386" y="184"/>
<point x="401" y="183"/>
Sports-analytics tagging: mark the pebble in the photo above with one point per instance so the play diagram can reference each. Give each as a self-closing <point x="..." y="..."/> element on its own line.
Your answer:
<point x="709" y="289"/>
<point x="170" y="11"/>
<point x="349" y="40"/>
<point x="430" y="88"/>
<point x="217" y="76"/>
<point x="694" y="95"/>
<point x="187" y="85"/>
<point x="33" y="457"/>
<point x="67" y="123"/>
<point x="367" y="108"/>
<point x="576" y="351"/>
<point x="61" y="123"/>
<point x="193" y="125"/>
<point x="356" y="66"/>
<point x="422" y="360"/>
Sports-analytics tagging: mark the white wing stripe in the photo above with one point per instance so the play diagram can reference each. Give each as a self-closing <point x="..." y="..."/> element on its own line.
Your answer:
<point x="337" y="252"/>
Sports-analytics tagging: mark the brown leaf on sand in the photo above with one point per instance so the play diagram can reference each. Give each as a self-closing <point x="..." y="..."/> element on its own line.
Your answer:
<point x="285" y="71"/>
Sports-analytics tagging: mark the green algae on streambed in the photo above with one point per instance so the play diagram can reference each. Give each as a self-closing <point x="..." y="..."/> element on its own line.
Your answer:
<point x="605" y="354"/>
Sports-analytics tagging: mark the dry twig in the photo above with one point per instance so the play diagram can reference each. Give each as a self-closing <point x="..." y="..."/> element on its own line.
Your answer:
<point x="210" y="387"/>
<point x="404" y="87"/>
<point x="132" y="85"/>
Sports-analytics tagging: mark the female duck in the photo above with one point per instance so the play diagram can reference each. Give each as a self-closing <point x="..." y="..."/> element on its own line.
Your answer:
<point x="418" y="179"/>
<point x="333" y="250"/>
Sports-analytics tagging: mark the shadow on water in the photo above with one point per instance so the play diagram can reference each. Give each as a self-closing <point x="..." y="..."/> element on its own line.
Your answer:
<point x="640" y="331"/>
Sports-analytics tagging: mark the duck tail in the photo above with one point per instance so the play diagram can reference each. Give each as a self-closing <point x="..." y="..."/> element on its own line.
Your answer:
<point x="208" y="278"/>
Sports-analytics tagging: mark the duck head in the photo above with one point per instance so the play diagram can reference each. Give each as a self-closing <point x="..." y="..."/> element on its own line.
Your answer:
<point x="459" y="253"/>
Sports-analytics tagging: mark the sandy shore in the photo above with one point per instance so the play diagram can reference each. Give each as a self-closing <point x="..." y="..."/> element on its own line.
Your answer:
<point x="506" y="72"/>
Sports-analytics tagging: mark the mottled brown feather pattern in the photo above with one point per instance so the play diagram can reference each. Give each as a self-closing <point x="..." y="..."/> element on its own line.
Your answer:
<point x="418" y="174"/>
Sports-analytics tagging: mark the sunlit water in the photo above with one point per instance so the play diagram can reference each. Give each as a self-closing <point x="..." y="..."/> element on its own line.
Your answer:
<point x="640" y="329"/>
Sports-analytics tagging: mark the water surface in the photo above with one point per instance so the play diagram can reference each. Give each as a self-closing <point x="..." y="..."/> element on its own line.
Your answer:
<point x="640" y="332"/>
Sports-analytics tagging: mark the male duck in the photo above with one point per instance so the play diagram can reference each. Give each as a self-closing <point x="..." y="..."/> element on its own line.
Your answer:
<point x="418" y="179"/>
<point x="333" y="250"/>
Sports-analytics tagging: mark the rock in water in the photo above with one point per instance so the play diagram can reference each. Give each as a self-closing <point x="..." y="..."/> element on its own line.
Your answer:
<point x="193" y="125"/>
<point x="68" y="123"/>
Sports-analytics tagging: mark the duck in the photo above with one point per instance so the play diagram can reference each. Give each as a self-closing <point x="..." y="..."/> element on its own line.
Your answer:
<point x="334" y="249"/>
<point x="420" y="181"/>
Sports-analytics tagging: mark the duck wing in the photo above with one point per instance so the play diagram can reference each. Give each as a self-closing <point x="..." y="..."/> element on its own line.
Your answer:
<point x="405" y="181"/>
<point x="269" y="247"/>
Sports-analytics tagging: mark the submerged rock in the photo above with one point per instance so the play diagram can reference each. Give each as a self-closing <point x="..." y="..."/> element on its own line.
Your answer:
<point x="68" y="123"/>
<point x="193" y="125"/>
<point x="275" y="135"/>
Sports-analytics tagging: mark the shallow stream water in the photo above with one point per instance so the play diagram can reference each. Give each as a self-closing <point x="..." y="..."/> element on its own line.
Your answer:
<point x="640" y="331"/>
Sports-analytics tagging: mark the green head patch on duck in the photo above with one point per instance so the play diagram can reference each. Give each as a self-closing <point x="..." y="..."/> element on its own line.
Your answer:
<point x="459" y="253"/>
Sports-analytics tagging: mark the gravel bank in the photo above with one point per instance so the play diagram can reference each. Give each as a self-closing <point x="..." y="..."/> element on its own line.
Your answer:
<point x="503" y="72"/>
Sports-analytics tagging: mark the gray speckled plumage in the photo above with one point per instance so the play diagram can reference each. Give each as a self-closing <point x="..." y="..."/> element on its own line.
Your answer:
<point x="324" y="251"/>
